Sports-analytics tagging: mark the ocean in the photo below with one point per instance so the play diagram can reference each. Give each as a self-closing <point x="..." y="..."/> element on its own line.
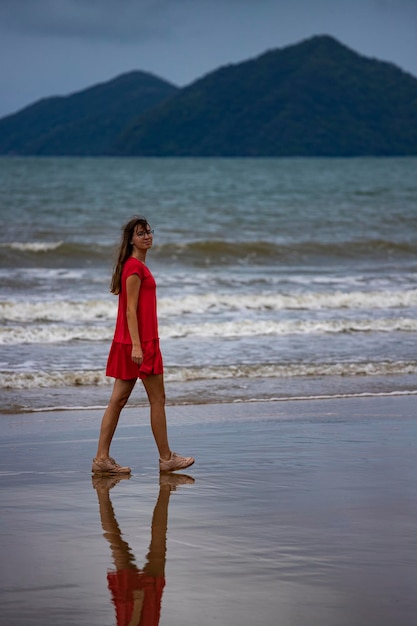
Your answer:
<point x="277" y="278"/>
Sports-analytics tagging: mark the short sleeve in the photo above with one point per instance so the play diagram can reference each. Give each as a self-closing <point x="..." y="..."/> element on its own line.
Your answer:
<point x="136" y="267"/>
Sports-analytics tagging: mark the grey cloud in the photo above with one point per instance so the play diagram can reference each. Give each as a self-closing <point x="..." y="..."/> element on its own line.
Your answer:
<point x="405" y="9"/>
<point x="138" y="20"/>
<point x="115" y="18"/>
<point x="404" y="5"/>
<point x="93" y="19"/>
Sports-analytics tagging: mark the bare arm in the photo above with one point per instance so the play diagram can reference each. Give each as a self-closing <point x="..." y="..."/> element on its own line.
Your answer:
<point x="132" y="292"/>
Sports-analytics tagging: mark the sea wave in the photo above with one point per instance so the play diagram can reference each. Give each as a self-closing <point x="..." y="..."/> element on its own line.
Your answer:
<point x="51" y="253"/>
<point x="59" y="333"/>
<point x="58" y="310"/>
<point x="251" y="328"/>
<point x="56" y="379"/>
<point x="32" y="246"/>
<point x="291" y="370"/>
<point x="215" y="252"/>
<point x="101" y="310"/>
<point x="220" y="251"/>
<point x="53" y="333"/>
<point x="313" y="301"/>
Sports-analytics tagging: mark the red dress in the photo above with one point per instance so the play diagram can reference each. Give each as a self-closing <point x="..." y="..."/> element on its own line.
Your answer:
<point x="124" y="585"/>
<point x="120" y="364"/>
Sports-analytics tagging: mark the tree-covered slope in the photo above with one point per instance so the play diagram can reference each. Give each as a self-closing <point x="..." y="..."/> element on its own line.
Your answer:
<point x="83" y="123"/>
<point x="314" y="98"/>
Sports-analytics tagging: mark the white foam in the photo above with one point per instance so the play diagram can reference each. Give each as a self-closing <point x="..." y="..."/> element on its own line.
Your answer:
<point x="59" y="333"/>
<point x="53" y="333"/>
<point x="250" y="328"/>
<point x="383" y="299"/>
<point x="93" y="309"/>
<point x="43" y="379"/>
<point x="273" y="370"/>
<point x="32" y="246"/>
<point x="58" y="311"/>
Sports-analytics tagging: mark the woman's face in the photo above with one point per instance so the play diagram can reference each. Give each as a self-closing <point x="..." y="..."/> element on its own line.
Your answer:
<point x="142" y="237"/>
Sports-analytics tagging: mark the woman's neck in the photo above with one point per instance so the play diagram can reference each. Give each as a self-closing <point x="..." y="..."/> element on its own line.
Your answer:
<point x="139" y="255"/>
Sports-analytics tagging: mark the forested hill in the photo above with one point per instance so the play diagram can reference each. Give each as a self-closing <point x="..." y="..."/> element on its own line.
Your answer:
<point x="84" y="123"/>
<point x="315" y="98"/>
<point x="312" y="99"/>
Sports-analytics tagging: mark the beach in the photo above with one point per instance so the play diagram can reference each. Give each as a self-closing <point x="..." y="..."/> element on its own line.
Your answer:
<point x="295" y="513"/>
<point x="287" y="309"/>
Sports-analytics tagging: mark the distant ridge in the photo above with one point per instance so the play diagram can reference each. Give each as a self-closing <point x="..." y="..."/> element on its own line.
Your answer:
<point x="314" y="98"/>
<point x="84" y="123"/>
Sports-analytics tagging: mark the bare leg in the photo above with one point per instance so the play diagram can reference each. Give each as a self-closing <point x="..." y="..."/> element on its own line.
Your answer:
<point x="122" y="554"/>
<point x="155" y="560"/>
<point x="155" y="390"/>
<point x="120" y="395"/>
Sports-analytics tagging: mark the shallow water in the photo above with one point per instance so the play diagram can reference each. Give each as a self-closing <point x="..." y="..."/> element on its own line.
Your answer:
<point x="273" y="274"/>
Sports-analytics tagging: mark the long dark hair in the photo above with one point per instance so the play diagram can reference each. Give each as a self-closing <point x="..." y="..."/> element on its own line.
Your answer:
<point x="125" y="250"/>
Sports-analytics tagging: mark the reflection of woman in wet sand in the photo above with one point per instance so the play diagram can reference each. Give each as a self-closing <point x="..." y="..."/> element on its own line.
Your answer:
<point x="137" y="593"/>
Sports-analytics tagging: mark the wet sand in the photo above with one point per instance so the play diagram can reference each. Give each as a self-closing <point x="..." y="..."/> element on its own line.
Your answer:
<point x="295" y="513"/>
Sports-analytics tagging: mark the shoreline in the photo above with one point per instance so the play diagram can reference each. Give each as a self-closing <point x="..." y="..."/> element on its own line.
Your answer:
<point x="205" y="412"/>
<point x="211" y="392"/>
<point x="288" y="399"/>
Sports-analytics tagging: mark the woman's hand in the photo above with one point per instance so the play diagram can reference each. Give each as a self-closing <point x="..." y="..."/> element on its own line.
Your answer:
<point x="137" y="354"/>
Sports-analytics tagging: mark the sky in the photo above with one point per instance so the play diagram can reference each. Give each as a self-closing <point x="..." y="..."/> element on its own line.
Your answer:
<point x="57" y="47"/>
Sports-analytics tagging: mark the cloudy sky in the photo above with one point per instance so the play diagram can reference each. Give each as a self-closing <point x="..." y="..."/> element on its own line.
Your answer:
<point x="51" y="47"/>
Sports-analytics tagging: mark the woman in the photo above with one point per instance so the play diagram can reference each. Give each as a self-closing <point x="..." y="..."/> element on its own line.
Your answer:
<point x="135" y="350"/>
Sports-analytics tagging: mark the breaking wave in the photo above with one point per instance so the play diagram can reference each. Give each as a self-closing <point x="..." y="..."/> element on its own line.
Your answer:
<point x="42" y="379"/>
<point x="101" y="310"/>
<point x="56" y="333"/>
<point x="216" y="252"/>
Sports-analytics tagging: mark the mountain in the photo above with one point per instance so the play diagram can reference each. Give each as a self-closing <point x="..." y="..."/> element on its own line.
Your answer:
<point x="316" y="98"/>
<point x="84" y="123"/>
